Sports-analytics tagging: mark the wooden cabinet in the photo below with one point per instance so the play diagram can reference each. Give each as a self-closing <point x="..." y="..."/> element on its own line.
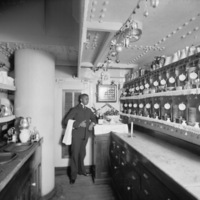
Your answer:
<point x="101" y="158"/>
<point x="25" y="185"/>
<point x="135" y="178"/>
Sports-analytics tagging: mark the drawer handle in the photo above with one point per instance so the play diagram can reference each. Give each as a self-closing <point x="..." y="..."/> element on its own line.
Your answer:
<point x="128" y="188"/>
<point x="134" y="164"/>
<point x="133" y="177"/>
<point x="146" y="192"/>
<point x="33" y="184"/>
<point x="145" y="176"/>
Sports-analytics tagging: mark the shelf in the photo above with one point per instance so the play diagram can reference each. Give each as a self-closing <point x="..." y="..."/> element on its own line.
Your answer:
<point x="168" y="93"/>
<point x="7" y="87"/>
<point x="184" y="132"/>
<point x="174" y="64"/>
<point x="7" y="119"/>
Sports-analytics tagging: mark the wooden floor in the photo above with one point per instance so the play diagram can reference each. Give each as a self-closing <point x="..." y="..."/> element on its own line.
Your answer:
<point x="83" y="189"/>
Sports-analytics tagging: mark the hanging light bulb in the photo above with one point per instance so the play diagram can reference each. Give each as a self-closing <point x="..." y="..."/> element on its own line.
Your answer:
<point x="146" y="13"/>
<point x="113" y="53"/>
<point x="154" y="3"/>
<point x="119" y="48"/>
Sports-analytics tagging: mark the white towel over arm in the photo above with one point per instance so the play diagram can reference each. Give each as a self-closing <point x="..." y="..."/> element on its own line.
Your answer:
<point x="67" y="139"/>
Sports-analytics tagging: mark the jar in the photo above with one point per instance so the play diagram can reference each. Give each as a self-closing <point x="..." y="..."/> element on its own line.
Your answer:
<point x="141" y="108"/>
<point x="192" y="116"/>
<point x="130" y="105"/>
<point x="167" y="110"/>
<point x="182" y="77"/>
<point x="135" y="107"/>
<point x="156" y="82"/>
<point x="170" y="74"/>
<point x="147" y="109"/>
<point x="192" y="76"/>
<point x="156" y="108"/>
<point x="162" y="80"/>
<point x="137" y="88"/>
<point x="132" y="90"/>
<point x="125" y="92"/>
<point x="181" y="112"/>
<point x="175" y="115"/>
<point x="129" y="91"/>
<point x="125" y="107"/>
<point x="141" y="86"/>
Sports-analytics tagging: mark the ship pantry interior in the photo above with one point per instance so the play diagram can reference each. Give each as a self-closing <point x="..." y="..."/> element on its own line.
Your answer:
<point x="139" y="63"/>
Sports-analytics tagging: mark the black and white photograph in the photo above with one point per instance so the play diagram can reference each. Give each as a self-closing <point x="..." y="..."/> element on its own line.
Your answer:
<point x="99" y="99"/>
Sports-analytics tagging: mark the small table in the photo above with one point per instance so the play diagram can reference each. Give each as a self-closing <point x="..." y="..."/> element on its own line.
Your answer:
<point x="101" y="144"/>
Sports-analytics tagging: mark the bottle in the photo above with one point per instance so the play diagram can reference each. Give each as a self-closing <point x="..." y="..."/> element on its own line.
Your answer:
<point x="37" y="135"/>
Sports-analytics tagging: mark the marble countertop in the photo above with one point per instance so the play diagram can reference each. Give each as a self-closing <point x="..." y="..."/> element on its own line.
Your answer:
<point x="180" y="165"/>
<point x="8" y="170"/>
<point x="107" y="128"/>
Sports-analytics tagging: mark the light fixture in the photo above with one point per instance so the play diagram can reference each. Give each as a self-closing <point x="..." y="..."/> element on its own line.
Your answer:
<point x="124" y="37"/>
<point x="130" y="32"/>
<point x="154" y="3"/>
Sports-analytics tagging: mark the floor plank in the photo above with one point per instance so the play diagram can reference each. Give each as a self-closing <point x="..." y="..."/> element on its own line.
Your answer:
<point x="83" y="189"/>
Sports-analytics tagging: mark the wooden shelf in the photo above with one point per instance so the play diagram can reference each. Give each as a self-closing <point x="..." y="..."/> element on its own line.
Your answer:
<point x="7" y="87"/>
<point x="184" y="132"/>
<point x="7" y="119"/>
<point x="174" y="64"/>
<point x="167" y="93"/>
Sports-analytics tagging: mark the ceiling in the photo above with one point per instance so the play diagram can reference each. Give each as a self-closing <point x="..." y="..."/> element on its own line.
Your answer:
<point x="79" y="32"/>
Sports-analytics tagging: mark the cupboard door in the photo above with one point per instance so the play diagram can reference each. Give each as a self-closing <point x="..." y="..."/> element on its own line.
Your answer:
<point x="101" y="157"/>
<point x="154" y="186"/>
<point x="35" y="183"/>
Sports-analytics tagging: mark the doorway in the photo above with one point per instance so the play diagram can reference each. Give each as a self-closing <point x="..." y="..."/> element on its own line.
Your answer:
<point x="69" y="100"/>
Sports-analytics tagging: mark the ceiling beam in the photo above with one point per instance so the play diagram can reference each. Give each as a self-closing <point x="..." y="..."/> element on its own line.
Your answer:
<point x="104" y="48"/>
<point x="83" y="31"/>
<point x="104" y="26"/>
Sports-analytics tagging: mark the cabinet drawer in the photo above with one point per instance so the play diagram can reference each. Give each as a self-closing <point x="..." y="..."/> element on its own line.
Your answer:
<point x="133" y="179"/>
<point x="114" y="168"/>
<point x="146" y="193"/>
<point x="155" y="187"/>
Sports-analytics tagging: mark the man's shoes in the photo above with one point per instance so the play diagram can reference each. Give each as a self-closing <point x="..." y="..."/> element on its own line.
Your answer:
<point x="72" y="181"/>
<point x="84" y="174"/>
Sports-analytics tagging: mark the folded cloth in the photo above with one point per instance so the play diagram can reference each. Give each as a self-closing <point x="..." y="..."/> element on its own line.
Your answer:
<point x="67" y="139"/>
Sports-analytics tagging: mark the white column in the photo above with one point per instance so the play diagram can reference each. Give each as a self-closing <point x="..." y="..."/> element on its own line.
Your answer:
<point x="34" y="97"/>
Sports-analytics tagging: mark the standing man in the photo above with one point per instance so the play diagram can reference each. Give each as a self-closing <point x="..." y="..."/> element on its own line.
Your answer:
<point x="84" y="121"/>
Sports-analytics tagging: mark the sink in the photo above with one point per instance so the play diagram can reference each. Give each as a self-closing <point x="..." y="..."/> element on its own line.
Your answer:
<point x="6" y="157"/>
<point x="17" y="147"/>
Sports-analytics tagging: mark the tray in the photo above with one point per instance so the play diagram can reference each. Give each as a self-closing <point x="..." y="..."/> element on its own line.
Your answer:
<point x="6" y="157"/>
<point x="18" y="147"/>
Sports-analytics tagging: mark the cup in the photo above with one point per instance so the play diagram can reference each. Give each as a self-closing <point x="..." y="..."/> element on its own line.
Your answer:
<point x="168" y="60"/>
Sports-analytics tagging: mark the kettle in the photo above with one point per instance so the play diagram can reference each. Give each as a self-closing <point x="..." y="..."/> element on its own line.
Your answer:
<point x="25" y="122"/>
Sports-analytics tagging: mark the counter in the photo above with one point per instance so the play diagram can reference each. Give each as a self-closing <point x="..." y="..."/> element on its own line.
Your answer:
<point x="107" y="128"/>
<point x="10" y="169"/>
<point x="180" y="165"/>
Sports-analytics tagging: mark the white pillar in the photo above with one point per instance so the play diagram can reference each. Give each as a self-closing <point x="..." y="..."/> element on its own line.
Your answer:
<point x="34" y="97"/>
